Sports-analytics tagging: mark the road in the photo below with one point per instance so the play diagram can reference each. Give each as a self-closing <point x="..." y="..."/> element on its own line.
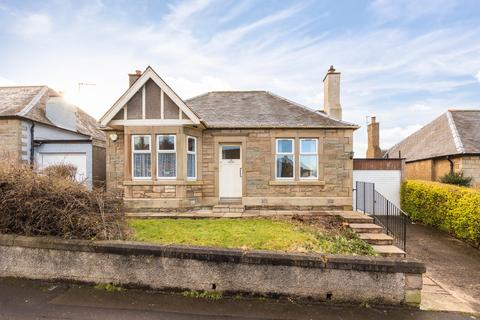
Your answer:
<point x="27" y="299"/>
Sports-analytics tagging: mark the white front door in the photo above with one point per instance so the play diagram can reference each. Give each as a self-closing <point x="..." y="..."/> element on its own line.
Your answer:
<point x="230" y="171"/>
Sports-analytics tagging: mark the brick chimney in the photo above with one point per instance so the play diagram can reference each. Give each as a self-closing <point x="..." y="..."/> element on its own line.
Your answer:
<point x="132" y="77"/>
<point x="373" y="132"/>
<point x="331" y="94"/>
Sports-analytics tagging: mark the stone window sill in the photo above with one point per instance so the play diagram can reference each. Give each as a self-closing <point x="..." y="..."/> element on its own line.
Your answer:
<point x="162" y="182"/>
<point x="296" y="183"/>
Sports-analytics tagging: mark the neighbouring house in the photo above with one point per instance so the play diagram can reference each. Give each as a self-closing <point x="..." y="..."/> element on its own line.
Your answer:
<point x="39" y="127"/>
<point x="248" y="149"/>
<point x="449" y="143"/>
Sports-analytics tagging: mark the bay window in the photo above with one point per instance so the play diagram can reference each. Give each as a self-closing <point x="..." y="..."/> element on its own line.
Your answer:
<point x="191" y="158"/>
<point x="284" y="159"/>
<point x="308" y="158"/>
<point x="141" y="157"/>
<point x="166" y="157"/>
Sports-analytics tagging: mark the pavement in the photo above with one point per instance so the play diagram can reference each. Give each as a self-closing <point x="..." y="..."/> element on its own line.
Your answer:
<point x="452" y="281"/>
<point x="28" y="299"/>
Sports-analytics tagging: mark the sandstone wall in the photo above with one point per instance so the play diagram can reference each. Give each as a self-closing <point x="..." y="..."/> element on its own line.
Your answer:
<point x="10" y="139"/>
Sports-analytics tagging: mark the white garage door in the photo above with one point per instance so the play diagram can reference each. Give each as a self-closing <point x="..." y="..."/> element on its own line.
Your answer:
<point x="79" y="160"/>
<point x="387" y="182"/>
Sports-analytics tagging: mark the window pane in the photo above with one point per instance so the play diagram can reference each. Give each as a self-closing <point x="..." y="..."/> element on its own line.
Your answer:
<point x="284" y="146"/>
<point x="308" y="146"/>
<point x="231" y="152"/>
<point x="166" y="142"/>
<point x="191" y="166"/>
<point x="141" y="143"/>
<point x="191" y="145"/>
<point x="308" y="166"/>
<point x="285" y="166"/>
<point x="141" y="165"/>
<point x="166" y="165"/>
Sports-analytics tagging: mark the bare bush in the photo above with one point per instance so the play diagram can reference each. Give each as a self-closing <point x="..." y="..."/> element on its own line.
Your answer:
<point x="67" y="171"/>
<point x="53" y="203"/>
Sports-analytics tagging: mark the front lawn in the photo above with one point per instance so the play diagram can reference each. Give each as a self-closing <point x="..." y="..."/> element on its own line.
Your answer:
<point x="261" y="234"/>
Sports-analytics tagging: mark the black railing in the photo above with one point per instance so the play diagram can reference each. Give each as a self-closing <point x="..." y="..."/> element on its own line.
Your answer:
<point x="384" y="213"/>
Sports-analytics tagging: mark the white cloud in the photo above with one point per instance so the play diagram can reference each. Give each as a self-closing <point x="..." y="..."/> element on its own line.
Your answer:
<point x="273" y="52"/>
<point x="33" y="24"/>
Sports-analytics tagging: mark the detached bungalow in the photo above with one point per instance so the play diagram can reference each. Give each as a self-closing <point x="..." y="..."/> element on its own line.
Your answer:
<point x="227" y="149"/>
<point x="39" y="127"/>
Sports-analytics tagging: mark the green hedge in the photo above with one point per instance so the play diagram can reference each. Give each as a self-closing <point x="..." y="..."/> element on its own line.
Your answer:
<point x="449" y="208"/>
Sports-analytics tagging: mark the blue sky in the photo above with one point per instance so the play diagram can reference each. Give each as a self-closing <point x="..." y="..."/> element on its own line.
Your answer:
<point x="404" y="61"/>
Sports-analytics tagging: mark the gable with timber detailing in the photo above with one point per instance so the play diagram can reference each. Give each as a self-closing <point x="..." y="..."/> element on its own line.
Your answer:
<point x="149" y="101"/>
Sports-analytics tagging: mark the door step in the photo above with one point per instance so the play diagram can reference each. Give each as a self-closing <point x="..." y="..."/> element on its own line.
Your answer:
<point x="365" y="228"/>
<point x="389" y="251"/>
<point x="354" y="217"/>
<point x="230" y="201"/>
<point x="376" y="238"/>
<point x="228" y="208"/>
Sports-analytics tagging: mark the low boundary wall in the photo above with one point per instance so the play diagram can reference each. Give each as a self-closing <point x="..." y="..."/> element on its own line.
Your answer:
<point x="319" y="277"/>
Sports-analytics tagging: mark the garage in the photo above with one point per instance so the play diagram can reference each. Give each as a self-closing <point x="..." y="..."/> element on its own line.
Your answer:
<point x="79" y="160"/>
<point x="386" y="174"/>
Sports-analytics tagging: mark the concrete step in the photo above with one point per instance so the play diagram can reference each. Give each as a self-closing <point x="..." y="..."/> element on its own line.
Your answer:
<point x="353" y="217"/>
<point x="365" y="228"/>
<point x="389" y="251"/>
<point x="376" y="238"/>
<point x="228" y="208"/>
<point x="357" y="218"/>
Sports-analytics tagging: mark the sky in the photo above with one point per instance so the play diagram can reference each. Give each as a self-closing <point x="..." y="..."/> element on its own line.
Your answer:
<point x="405" y="62"/>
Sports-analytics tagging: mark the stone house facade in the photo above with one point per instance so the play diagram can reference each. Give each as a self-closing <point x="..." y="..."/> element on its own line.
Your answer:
<point x="450" y="143"/>
<point x="242" y="149"/>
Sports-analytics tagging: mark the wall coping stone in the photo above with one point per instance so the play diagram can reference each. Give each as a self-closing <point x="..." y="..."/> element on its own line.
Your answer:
<point x="220" y="255"/>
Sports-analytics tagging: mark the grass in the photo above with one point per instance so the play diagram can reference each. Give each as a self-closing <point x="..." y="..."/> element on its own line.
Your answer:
<point x="210" y="295"/>
<point x="250" y="234"/>
<point x="108" y="287"/>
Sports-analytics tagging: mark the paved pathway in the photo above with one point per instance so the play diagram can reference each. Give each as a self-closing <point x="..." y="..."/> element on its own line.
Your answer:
<point x="21" y="299"/>
<point x="452" y="281"/>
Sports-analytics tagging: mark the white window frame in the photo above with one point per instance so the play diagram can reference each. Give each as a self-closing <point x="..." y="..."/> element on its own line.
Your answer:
<point x="167" y="151"/>
<point x="149" y="151"/>
<point x="196" y="157"/>
<point x="277" y="153"/>
<point x="301" y="153"/>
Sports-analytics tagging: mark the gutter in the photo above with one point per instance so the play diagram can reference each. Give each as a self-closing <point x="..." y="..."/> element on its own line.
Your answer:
<point x="32" y="146"/>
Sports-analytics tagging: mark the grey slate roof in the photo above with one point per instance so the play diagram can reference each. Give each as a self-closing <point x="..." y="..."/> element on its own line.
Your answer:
<point x="29" y="102"/>
<point x="257" y="109"/>
<point x="454" y="132"/>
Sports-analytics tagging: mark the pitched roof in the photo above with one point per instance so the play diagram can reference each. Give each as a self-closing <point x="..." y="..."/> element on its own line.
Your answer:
<point x="30" y="102"/>
<point x="257" y="109"/>
<point x="15" y="99"/>
<point x="454" y="132"/>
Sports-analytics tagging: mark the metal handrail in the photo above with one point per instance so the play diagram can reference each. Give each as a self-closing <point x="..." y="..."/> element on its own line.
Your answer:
<point x="384" y="213"/>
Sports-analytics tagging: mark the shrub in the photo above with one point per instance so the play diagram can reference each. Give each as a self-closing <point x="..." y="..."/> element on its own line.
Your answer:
<point x="456" y="178"/>
<point x="449" y="208"/>
<point x="52" y="203"/>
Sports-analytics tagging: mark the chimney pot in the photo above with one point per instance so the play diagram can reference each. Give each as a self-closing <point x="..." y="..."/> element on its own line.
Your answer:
<point x="331" y="94"/>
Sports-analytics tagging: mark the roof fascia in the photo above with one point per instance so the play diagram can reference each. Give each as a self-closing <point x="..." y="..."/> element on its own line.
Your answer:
<point x="149" y="73"/>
